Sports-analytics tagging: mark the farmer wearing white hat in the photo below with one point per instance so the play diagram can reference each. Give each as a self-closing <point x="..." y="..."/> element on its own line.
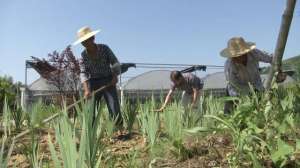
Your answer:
<point x="99" y="67"/>
<point x="242" y="68"/>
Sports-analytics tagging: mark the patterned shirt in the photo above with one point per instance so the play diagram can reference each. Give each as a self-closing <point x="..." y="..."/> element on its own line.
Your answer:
<point x="100" y="66"/>
<point x="239" y="76"/>
<point x="191" y="81"/>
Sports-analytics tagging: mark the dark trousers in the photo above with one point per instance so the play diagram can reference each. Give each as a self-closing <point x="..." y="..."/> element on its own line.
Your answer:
<point x="111" y="98"/>
<point x="229" y="105"/>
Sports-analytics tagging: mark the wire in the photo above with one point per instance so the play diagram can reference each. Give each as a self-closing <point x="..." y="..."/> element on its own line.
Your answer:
<point x="155" y="64"/>
<point x="178" y="65"/>
<point x="169" y="67"/>
<point x="159" y="67"/>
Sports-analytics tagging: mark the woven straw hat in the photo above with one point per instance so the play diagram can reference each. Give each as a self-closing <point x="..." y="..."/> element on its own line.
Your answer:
<point x="84" y="33"/>
<point x="236" y="47"/>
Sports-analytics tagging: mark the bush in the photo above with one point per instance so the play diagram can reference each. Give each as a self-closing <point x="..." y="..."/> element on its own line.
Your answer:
<point x="8" y="91"/>
<point x="264" y="129"/>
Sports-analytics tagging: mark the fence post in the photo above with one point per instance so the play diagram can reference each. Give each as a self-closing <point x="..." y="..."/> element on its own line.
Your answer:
<point x="23" y="97"/>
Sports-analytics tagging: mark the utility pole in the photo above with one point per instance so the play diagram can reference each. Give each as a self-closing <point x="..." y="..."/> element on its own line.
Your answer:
<point x="282" y="39"/>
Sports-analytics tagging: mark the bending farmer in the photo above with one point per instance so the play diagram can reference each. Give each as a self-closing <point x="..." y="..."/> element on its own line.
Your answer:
<point x="191" y="86"/>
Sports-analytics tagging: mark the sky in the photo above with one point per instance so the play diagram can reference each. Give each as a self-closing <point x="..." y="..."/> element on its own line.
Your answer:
<point x="156" y="31"/>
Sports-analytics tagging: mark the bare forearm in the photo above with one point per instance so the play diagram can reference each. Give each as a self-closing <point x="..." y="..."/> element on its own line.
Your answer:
<point x="195" y="96"/>
<point x="167" y="100"/>
<point x="85" y="86"/>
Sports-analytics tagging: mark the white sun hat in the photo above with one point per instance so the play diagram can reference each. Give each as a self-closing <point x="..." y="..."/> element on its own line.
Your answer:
<point x="85" y="33"/>
<point x="236" y="47"/>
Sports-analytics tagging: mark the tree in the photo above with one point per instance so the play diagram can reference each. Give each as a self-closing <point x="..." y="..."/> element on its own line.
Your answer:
<point x="9" y="91"/>
<point x="282" y="39"/>
<point x="67" y="70"/>
<point x="60" y="69"/>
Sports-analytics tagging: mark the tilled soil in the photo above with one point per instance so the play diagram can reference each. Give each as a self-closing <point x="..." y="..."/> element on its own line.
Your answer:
<point x="210" y="151"/>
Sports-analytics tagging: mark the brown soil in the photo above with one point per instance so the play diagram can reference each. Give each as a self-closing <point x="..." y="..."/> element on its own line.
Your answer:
<point x="210" y="151"/>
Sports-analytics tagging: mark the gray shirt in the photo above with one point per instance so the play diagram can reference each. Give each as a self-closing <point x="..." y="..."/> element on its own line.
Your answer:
<point x="191" y="81"/>
<point x="239" y="76"/>
<point x="100" y="66"/>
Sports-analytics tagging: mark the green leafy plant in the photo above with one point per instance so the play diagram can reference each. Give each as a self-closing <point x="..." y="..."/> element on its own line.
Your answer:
<point x="93" y="134"/>
<point x="129" y="113"/>
<point x="8" y="91"/>
<point x="6" y="119"/>
<point x="108" y="124"/>
<point x="261" y="127"/>
<point x="31" y="152"/>
<point x="149" y="122"/>
<point x="38" y="112"/>
<point x="5" y="154"/>
<point x="131" y="159"/>
<point x="180" y="151"/>
<point x="18" y="117"/>
<point x="280" y="155"/>
<point x="173" y="122"/>
<point x="192" y="118"/>
<point x="67" y="143"/>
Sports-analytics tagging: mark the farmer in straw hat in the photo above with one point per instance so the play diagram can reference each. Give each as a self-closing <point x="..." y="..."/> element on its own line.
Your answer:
<point x="99" y="68"/>
<point x="242" y="68"/>
<point x="190" y="84"/>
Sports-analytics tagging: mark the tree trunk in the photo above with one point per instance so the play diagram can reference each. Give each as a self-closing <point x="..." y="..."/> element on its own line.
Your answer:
<point x="282" y="39"/>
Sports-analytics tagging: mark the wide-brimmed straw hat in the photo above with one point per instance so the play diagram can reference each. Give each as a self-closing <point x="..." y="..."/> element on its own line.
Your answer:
<point x="84" y="33"/>
<point x="236" y="47"/>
